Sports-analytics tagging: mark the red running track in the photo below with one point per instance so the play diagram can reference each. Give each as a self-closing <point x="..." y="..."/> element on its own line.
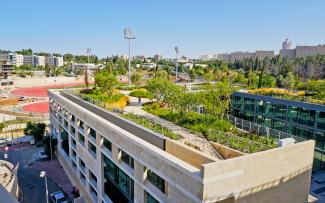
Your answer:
<point x="40" y="91"/>
<point x="40" y="107"/>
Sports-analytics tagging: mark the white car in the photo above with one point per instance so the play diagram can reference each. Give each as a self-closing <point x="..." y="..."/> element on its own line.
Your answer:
<point x="58" y="197"/>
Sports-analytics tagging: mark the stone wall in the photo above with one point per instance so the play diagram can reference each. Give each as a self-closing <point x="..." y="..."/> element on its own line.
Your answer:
<point x="280" y="175"/>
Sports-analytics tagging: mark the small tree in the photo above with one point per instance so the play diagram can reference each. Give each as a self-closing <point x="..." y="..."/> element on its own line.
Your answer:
<point x="136" y="77"/>
<point x="36" y="130"/>
<point x="106" y="82"/>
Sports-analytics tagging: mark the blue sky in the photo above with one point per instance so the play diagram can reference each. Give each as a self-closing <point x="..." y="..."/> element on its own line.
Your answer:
<point x="196" y="26"/>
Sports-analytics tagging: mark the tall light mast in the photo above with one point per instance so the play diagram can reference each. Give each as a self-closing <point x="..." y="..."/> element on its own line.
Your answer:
<point x="177" y="51"/>
<point x="128" y="34"/>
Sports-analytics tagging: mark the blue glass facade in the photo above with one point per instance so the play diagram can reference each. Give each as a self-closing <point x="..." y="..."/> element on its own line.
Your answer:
<point x="301" y="119"/>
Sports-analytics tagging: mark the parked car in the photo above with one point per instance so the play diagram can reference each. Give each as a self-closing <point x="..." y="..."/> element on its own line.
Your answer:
<point x="58" y="197"/>
<point x="42" y="156"/>
<point x="22" y="98"/>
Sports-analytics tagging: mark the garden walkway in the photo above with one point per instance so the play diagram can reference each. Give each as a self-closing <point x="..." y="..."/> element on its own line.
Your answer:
<point x="187" y="136"/>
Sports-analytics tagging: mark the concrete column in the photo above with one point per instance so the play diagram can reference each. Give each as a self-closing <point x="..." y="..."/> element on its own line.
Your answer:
<point x="139" y="175"/>
<point x="115" y="153"/>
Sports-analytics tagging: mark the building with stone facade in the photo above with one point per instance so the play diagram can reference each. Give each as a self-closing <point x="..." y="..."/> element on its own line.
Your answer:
<point x="300" y="51"/>
<point x="111" y="159"/>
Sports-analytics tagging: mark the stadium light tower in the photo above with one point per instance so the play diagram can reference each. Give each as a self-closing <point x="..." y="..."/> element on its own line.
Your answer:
<point x="128" y="34"/>
<point x="177" y="51"/>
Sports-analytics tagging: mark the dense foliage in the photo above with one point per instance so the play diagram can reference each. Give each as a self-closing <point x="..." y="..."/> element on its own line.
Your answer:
<point x="36" y="130"/>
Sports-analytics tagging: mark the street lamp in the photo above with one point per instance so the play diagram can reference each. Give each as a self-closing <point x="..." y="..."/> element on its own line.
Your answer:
<point x="43" y="175"/>
<point x="128" y="34"/>
<point x="177" y="51"/>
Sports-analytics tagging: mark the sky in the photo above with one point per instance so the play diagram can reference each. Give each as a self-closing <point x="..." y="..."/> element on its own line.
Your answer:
<point x="195" y="26"/>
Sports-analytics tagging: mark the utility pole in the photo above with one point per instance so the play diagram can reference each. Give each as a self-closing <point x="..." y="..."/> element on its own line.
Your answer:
<point x="128" y="34"/>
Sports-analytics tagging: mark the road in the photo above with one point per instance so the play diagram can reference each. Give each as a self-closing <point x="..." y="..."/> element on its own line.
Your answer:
<point x="31" y="184"/>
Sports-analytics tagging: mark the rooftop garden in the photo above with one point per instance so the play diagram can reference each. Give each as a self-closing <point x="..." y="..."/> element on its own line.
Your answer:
<point x="181" y="107"/>
<point x="173" y="103"/>
<point x="312" y="91"/>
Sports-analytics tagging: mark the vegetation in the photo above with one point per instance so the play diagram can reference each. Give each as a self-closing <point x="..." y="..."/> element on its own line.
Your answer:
<point x="213" y="129"/>
<point x="141" y="93"/>
<point x="151" y="125"/>
<point x="106" y="82"/>
<point x="36" y="130"/>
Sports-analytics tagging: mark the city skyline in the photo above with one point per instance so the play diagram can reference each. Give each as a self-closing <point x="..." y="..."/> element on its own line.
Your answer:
<point x="227" y="27"/>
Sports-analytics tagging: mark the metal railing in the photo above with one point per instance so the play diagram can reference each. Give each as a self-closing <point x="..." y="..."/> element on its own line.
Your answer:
<point x="260" y="129"/>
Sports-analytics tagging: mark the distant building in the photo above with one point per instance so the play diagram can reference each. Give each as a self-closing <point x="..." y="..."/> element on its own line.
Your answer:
<point x="6" y="69"/>
<point x="264" y="54"/>
<point x="79" y="68"/>
<point x="56" y="61"/>
<point x="300" y="51"/>
<point x="239" y="55"/>
<point x="139" y="57"/>
<point x="15" y="59"/>
<point x="157" y="57"/>
<point x="286" y="44"/>
<point x="149" y="65"/>
<point x="29" y="60"/>
<point x="303" y="51"/>
<point x="224" y="57"/>
<point x="188" y="66"/>
<point x="39" y="61"/>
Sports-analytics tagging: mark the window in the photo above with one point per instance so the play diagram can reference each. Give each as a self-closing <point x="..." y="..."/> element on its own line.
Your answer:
<point x="72" y="118"/>
<point x="65" y="124"/>
<point x="119" y="187"/>
<point x="320" y="120"/>
<point x="92" y="149"/>
<point x="92" y="133"/>
<point x="156" y="180"/>
<point x="93" y="192"/>
<point x="82" y="165"/>
<point x="127" y="159"/>
<point x="107" y="144"/>
<point x="72" y="130"/>
<point x="81" y="124"/>
<point x="82" y="177"/>
<point x="92" y="178"/>
<point x="150" y="199"/>
<point x="74" y="165"/>
<point x="74" y="143"/>
<point x="74" y="154"/>
<point x="81" y="139"/>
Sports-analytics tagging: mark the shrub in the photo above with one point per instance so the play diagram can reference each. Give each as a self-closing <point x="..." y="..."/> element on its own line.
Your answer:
<point x="141" y="93"/>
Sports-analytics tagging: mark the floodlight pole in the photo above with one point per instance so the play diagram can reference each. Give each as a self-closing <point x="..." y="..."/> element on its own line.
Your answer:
<point x="128" y="34"/>
<point x="177" y="51"/>
<point x="129" y="66"/>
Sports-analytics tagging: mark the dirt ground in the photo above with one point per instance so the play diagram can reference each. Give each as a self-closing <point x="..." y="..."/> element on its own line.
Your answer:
<point x="13" y="101"/>
<point x="9" y="101"/>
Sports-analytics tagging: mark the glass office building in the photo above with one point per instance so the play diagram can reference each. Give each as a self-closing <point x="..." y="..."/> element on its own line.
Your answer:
<point x="301" y="119"/>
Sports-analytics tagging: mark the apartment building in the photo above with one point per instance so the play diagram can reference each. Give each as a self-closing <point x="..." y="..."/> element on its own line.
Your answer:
<point x="6" y="69"/>
<point x="39" y="61"/>
<point x="15" y="59"/>
<point x="111" y="159"/>
<point x="301" y="119"/>
<point x="29" y="60"/>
